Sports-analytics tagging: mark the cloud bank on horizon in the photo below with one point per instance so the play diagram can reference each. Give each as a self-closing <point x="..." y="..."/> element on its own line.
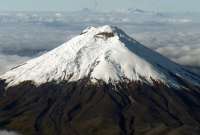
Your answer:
<point x="100" y="5"/>
<point x="26" y="35"/>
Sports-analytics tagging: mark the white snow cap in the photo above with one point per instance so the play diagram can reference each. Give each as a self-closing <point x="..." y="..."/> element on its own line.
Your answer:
<point x="103" y="53"/>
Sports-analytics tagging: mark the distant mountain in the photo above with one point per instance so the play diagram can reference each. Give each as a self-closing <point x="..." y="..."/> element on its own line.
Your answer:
<point x="133" y="10"/>
<point x="101" y="82"/>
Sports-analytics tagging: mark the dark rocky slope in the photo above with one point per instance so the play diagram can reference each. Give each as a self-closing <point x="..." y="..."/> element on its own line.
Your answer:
<point x="82" y="108"/>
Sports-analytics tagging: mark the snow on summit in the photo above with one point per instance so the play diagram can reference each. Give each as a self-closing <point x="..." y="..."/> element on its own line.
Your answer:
<point x="103" y="53"/>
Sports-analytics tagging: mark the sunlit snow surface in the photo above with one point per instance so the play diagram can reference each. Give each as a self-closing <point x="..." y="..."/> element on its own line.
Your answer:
<point x="103" y="53"/>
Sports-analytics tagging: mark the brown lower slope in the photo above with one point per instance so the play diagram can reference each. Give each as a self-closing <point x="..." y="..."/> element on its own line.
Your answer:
<point x="83" y="108"/>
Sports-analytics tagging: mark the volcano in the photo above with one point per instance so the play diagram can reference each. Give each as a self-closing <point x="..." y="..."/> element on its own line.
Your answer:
<point x="101" y="82"/>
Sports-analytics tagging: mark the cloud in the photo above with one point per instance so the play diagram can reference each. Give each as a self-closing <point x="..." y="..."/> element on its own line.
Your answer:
<point x="181" y="47"/>
<point x="4" y="132"/>
<point x="183" y="55"/>
<point x="9" y="61"/>
<point x="29" y="40"/>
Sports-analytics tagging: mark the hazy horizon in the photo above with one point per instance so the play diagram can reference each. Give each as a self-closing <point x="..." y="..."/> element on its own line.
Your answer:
<point x="101" y="5"/>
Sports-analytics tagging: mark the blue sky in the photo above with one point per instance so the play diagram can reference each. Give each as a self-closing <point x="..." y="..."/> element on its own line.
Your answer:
<point x="65" y="5"/>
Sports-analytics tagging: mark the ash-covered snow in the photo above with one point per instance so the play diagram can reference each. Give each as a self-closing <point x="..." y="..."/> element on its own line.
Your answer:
<point x="102" y="53"/>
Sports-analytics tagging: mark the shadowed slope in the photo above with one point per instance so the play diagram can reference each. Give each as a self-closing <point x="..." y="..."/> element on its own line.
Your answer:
<point x="82" y="108"/>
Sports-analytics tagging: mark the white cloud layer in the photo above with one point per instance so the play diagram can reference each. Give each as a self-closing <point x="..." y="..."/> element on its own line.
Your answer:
<point x="9" y="61"/>
<point x="183" y="48"/>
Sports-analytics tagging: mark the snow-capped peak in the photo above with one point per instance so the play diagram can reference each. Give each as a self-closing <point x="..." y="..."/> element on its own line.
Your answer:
<point x="103" y="53"/>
